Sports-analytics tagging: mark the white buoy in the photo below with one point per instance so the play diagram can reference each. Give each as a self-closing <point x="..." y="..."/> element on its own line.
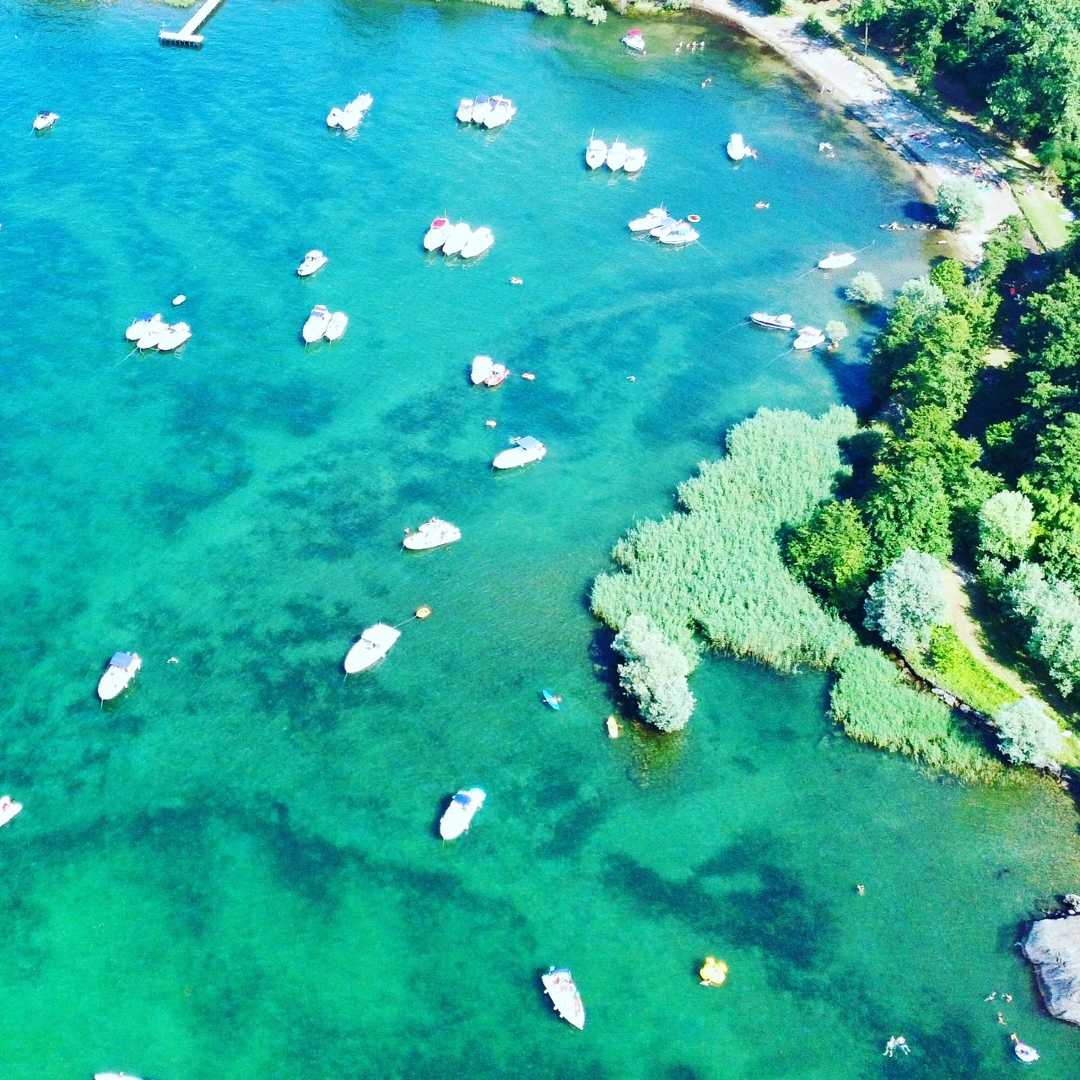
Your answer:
<point x="178" y="299"/>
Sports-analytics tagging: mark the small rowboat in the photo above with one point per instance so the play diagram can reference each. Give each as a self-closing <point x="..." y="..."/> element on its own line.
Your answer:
<point x="551" y="699"/>
<point x="836" y="260"/>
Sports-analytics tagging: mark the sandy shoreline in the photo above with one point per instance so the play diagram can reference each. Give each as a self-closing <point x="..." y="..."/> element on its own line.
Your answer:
<point x="934" y="153"/>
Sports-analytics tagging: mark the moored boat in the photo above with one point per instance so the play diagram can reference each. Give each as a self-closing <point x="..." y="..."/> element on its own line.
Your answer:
<point x="333" y="118"/>
<point x="634" y="40"/>
<point x="45" y="120"/>
<point x="481" y="108"/>
<point x="9" y="809"/>
<point x="311" y="263"/>
<point x="679" y="234"/>
<point x="525" y="451"/>
<point x="352" y="116"/>
<point x="502" y="111"/>
<point x="142" y="324"/>
<point x="457" y="817"/>
<point x="481" y="369"/>
<point x="456" y="238"/>
<point x="616" y="155"/>
<point x="1027" y="1054"/>
<point x="772" y="322"/>
<point x="435" y="532"/>
<point x="373" y="645"/>
<point x="336" y="326"/>
<point x="736" y="147"/>
<point x="479" y="242"/>
<point x="551" y="699"/>
<point x="635" y="160"/>
<point x="713" y="972"/>
<point x="810" y="337"/>
<point x="316" y="323"/>
<point x="654" y="219"/>
<point x="123" y="667"/>
<point x="438" y="231"/>
<point x="155" y="330"/>
<point x="175" y="335"/>
<point x="596" y="153"/>
<point x="464" y="110"/>
<point x="836" y="260"/>
<point x="559" y="985"/>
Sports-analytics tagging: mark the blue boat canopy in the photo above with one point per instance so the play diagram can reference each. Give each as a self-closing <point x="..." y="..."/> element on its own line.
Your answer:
<point x="121" y="659"/>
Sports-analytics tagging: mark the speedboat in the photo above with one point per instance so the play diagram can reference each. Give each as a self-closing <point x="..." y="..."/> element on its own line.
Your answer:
<point x="123" y="667"/>
<point x="679" y="234"/>
<point x="458" y="815"/>
<point x="336" y="327"/>
<point x="9" y="809"/>
<point x="152" y="334"/>
<point x="142" y="324"/>
<point x="316" y="324"/>
<point x="478" y="243"/>
<point x="481" y="108"/>
<point x="312" y="263"/>
<point x="175" y="336"/>
<point x="634" y="40"/>
<point x="736" y="147"/>
<point x="664" y="227"/>
<point x="1027" y="1054"/>
<point x="616" y="155"/>
<point x="437" y="233"/>
<point x="45" y="120"/>
<point x="773" y="322"/>
<point x="635" y="160"/>
<point x="464" y="110"/>
<point x="432" y="534"/>
<point x="810" y="337"/>
<point x="836" y="260"/>
<point x="560" y="987"/>
<point x="525" y="450"/>
<point x="457" y="238"/>
<point x="352" y="116"/>
<point x="656" y="217"/>
<point x="375" y="642"/>
<point x="595" y="153"/>
<point x="502" y="111"/>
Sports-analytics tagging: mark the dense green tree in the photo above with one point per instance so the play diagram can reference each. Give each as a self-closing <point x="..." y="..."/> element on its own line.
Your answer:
<point x="1006" y="526"/>
<point x="1051" y="610"/>
<point x="909" y="508"/>
<point x="959" y="203"/>
<point x="1028" y="734"/>
<point x="865" y="289"/>
<point x="908" y="601"/>
<point x="831" y="554"/>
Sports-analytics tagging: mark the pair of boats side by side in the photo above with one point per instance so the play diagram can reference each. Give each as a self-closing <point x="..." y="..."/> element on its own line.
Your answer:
<point x="662" y="227"/>
<point x="618" y="156"/>
<point x="486" y="372"/>
<point x="324" y="323"/>
<point x="488" y="112"/>
<point x="457" y="239"/>
<point x="737" y="149"/>
<point x="151" y="331"/>
<point x="808" y="337"/>
<point x="349" y="117"/>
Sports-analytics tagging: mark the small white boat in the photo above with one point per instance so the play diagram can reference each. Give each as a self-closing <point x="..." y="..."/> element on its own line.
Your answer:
<point x="736" y="147"/>
<point x="481" y="108"/>
<point x="499" y="374"/>
<point x="153" y="334"/>
<point x="45" y="120"/>
<point x="316" y="324"/>
<point x="654" y="219"/>
<point x="634" y="40"/>
<point x="352" y="115"/>
<point x="559" y="985"/>
<point x="1027" y="1054"/>
<point x="9" y="809"/>
<point x="502" y="111"/>
<point x="336" y="327"/>
<point x="464" y="110"/>
<point x="176" y="335"/>
<point x="480" y="241"/>
<point x="810" y="337"/>
<point x="635" y="160"/>
<point x="596" y="153"/>
<point x="457" y="238"/>
<point x="432" y="534"/>
<point x="142" y="324"/>
<point x="333" y="118"/>
<point x="616" y="155"/>
<point x="178" y="299"/>
<point x="836" y="260"/>
<point x="114" y="1076"/>
<point x="482" y="367"/>
<point x="678" y="235"/>
<point x="458" y="815"/>
<point x="525" y="451"/>
<point x="123" y="667"/>
<point x="375" y="642"/>
<point x="773" y="322"/>
<point x="437" y="233"/>
<point x="312" y="263"/>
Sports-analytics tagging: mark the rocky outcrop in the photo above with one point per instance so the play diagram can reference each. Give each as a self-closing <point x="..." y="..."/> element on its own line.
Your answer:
<point x="1053" y="947"/>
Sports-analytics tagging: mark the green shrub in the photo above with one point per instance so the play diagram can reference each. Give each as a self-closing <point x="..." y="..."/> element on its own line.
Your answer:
<point x="1006" y="526"/>
<point x="550" y="7"/>
<point x="1051" y="610"/>
<point x="831" y="554"/>
<point x="865" y="289"/>
<point x="654" y="674"/>
<point x="958" y="203"/>
<point x="774" y="7"/>
<point x="908" y="601"/>
<point x="951" y="665"/>
<point x="813" y="27"/>
<point x="1028" y="734"/>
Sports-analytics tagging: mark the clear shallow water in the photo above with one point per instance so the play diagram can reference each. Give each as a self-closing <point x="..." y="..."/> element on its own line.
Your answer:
<point x="233" y="871"/>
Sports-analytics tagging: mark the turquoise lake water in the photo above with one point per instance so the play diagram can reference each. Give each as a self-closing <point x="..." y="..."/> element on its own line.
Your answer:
<point x="233" y="870"/>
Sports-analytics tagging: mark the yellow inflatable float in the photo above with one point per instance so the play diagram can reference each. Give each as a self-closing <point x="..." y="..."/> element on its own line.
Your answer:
<point x="713" y="972"/>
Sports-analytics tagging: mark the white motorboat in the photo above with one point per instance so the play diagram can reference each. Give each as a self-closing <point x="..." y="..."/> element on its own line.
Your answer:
<point x="559" y="985"/>
<point x="437" y="233"/>
<point x="375" y="642"/>
<point x="9" y="809"/>
<point x="333" y="118"/>
<point x="773" y="322"/>
<point x="316" y="324"/>
<point x="502" y="111"/>
<point x="480" y="241"/>
<point x="616" y="155"/>
<point x="352" y="116"/>
<point x="678" y="235"/>
<point x="596" y="153"/>
<point x="810" y="337"/>
<point x="45" y="120"/>
<point x="481" y="108"/>
<point x="485" y="372"/>
<point x="1027" y="1054"/>
<point x="664" y="227"/>
<point x="432" y="534"/>
<point x="836" y="260"/>
<point x="464" y="110"/>
<point x="312" y="263"/>
<point x="656" y="217"/>
<point x="634" y="40"/>
<point x="498" y="375"/>
<point x="176" y="335"/>
<point x="123" y="667"/>
<point x="635" y="160"/>
<point x="143" y="324"/>
<point x="458" y="815"/>
<point x="525" y="451"/>
<point x="152" y="335"/>
<point x="336" y="327"/>
<point x="457" y="238"/>
<point x="736" y="147"/>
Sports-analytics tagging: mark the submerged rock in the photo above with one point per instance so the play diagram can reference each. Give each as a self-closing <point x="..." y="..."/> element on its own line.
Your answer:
<point x="1053" y="947"/>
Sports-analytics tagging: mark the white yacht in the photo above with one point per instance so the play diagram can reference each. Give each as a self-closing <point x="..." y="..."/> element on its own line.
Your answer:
<point x="152" y="334"/>
<point x="736" y="147"/>
<point x="559" y="985"/>
<point x="810" y="337"/>
<point x="502" y="111"/>
<point x="773" y="322"/>
<point x="459" y="814"/>
<point x="836" y="260"/>
<point x="176" y="335"/>
<point x="635" y="160"/>
<point x="336" y="326"/>
<point x="596" y="153"/>
<point x="480" y="241"/>
<point x="375" y="642"/>
<point x="9" y="809"/>
<point x="634" y="40"/>
<point x="664" y="227"/>
<point x="480" y="109"/>
<point x="482" y="367"/>
<point x="123" y="667"/>
<point x="616" y="155"/>
<point x="464" y="110"/>
<point x="142" y="324"/>
<point x="432" y="534"/>
<point x="437" y="233"/>
<point x="457" y="238"/>
<point x="525" y="450"/>
<point x="45" y="120"/>
<point x="312" y="263"/>
<point x="656" y="217"/>
<point x="679" y="234"/>
<point x="315" y="326"/>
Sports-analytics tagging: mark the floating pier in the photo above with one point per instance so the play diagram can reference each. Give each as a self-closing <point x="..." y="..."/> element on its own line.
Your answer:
<point x="187" y="34"/>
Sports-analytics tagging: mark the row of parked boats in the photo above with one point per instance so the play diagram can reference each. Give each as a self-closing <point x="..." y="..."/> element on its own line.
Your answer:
<point x="458" y="238"/>
<point x="658" y="224"/>
<point x="349" y="117"/>
<point x="488" y="112"/>
<point x="616" y="156"/>
<point x="809" y="337"/>
<point x="151" y="331"/>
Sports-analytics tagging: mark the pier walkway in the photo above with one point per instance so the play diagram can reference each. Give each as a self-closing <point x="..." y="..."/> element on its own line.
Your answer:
<point x="187" y="34"/>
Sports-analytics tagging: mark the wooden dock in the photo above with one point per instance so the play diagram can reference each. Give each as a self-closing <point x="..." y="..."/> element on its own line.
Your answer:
<point x="188" y="33"/>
